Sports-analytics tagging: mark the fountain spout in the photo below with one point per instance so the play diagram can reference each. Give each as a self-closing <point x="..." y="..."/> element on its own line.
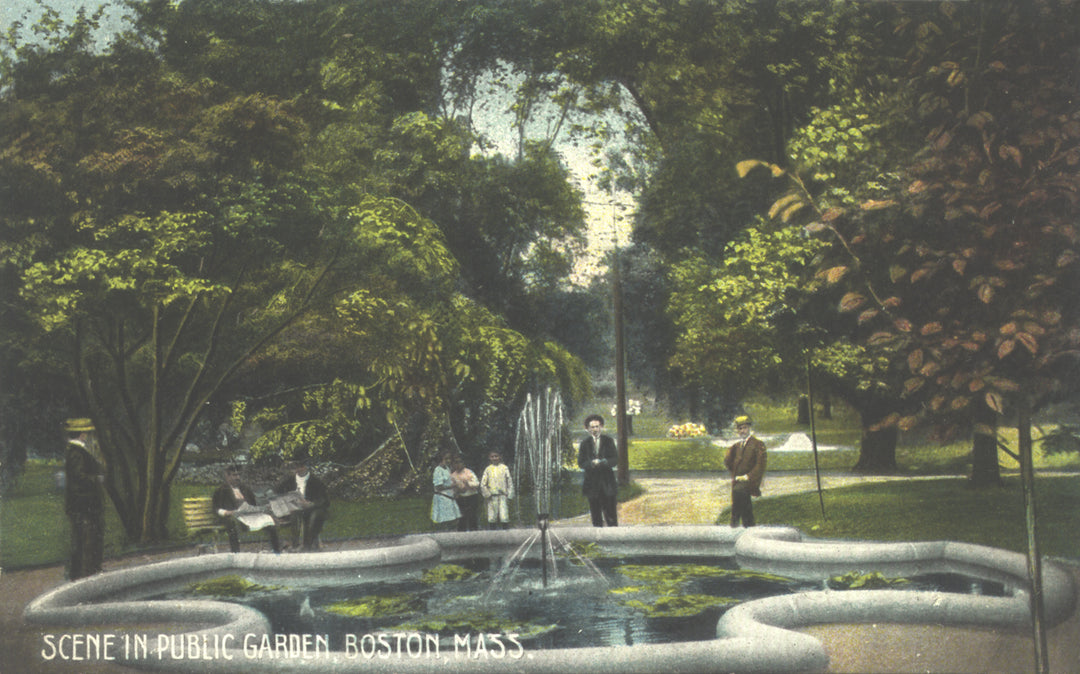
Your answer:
<point x="542" y="525"/>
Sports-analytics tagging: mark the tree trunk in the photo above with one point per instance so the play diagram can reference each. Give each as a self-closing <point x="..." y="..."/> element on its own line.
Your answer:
<point x="985" y="469"/>
<point x="826" y="405"/>
<point x="803" y="416"/>
<point x="877" y="450"/>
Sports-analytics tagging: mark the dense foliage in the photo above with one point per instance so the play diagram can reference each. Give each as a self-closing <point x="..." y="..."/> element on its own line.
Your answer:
<point x="203" y="229"/>
<point x="283" y="221"/>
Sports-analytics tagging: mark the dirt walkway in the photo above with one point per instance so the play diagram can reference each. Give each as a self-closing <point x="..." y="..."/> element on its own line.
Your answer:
<point x="698" y="499"/>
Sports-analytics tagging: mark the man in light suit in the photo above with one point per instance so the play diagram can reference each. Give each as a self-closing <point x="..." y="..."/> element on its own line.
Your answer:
<point x="597" y="456"/>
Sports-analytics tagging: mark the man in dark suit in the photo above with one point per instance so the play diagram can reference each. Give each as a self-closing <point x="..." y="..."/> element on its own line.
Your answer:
<point x="317" y="496"/>
<point x="597" y="456"/>
<point x="745" y="460"/>
<point x="84" y="498"/>
<point x="227" y="500"/>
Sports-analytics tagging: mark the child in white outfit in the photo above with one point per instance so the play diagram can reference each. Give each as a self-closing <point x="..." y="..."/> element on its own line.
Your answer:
<point x="497" y="489"/>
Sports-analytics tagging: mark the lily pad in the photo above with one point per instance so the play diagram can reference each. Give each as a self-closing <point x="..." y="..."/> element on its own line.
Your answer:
<point x="478" y="622"/>
<point x="864" y="581"/>
<point x="228" y="586"/>
<point x="373" y="606"/>
<point x="445" y="573"/>
<point x="578" y="550"/>
<point x="679" y="606"/>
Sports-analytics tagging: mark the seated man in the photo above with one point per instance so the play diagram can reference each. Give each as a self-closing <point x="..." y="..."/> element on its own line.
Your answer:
<point x="314" y="492"/>
<point x="228" y="498"/>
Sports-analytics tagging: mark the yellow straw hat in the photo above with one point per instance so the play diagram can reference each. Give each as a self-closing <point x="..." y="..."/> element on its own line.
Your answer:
<point x="78" y="425"/>
<point x="743" y="419"/>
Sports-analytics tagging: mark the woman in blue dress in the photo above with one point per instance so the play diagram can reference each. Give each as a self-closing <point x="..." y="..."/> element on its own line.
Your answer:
<point x="444" y="507"/>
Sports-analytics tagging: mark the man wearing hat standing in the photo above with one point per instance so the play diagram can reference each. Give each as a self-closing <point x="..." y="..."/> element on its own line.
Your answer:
<point x="745" y="460"/>
<point x="84" y="498"/>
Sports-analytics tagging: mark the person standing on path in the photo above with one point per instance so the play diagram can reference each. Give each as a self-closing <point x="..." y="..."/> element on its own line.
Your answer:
<point x="597" y="456"/>
<point x="745" y="460"/>
<point x="84" y="498"/>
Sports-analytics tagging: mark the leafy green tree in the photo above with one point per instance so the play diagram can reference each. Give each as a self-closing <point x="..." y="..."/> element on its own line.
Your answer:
<point x="953" y="252"/>
<point x="698" y="85"/>
<point x="513" y="225"/>
<point x="985" y="268"/>
<point x="724" y="313"/>
<point x="180" y="241"/>
<point x="366" y="78"/>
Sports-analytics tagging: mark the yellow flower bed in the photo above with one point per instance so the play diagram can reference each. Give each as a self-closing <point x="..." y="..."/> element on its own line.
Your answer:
<point x="687" y="430"/>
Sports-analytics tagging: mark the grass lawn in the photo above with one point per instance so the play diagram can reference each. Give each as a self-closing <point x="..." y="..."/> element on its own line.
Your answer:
<point x="651" y="449"/>
<point x="930" y="510"/>
<point x="702" y="454"/>
<point x="35" y="531"/>
<point x="670" y="454"/>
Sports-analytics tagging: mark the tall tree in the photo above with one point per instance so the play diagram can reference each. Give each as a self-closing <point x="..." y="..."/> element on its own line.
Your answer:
<point x="180" y="242"/>
<point x="956" y="253"/>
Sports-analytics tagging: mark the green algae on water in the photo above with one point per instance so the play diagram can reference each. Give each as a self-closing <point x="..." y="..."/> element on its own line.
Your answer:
<point x="667" y="584"/>
<point x="228" y="586"/>
<point x="853" y="580"/>
<point x="679" y="606"/>
<point x="668" y="575"/>
<point x="445" y="573"/>
<point x="478" y="621"/>
<point x="373" y="606"/>
<point x="578" y="550"/>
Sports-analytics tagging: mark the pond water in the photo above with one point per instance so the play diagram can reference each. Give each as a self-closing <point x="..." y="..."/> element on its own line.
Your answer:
<point x="612" y="601"/>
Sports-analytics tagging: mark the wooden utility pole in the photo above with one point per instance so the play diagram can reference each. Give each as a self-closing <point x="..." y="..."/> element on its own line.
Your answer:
<point x="1034" y="559"/>
<point x="622" y="473"/>
<point x="813" y="431"/>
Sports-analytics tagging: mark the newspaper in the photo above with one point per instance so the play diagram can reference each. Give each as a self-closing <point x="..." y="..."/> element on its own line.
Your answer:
<point x="285" y="505"/>
<point x="254" y="517"/>
<point x="277" y="508"/>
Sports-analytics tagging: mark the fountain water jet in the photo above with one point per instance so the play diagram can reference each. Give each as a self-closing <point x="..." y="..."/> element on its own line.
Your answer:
<point x="538" y="446"/>
<point x="538" y="453"/>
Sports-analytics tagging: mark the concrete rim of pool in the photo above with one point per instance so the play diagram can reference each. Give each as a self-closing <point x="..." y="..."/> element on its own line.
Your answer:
<point x="755" y="636"/>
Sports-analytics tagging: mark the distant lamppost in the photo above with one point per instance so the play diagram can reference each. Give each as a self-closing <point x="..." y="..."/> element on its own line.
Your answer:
<point x="622" y="469"/>
<point x="622" y="472"/>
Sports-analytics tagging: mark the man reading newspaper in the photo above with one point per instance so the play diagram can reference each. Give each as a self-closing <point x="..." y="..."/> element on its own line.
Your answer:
<point x="304" y="500"/>
<point x="234" y="502"/>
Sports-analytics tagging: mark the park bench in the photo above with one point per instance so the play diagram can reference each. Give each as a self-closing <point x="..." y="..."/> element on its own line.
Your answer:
<point x="199" y="519"/>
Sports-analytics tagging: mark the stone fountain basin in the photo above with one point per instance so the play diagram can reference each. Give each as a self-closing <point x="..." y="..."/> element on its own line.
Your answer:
<point x="756" y="636"/>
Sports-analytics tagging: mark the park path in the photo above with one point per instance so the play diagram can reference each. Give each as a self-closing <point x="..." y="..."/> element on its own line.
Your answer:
<point x="698" y="498"/>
